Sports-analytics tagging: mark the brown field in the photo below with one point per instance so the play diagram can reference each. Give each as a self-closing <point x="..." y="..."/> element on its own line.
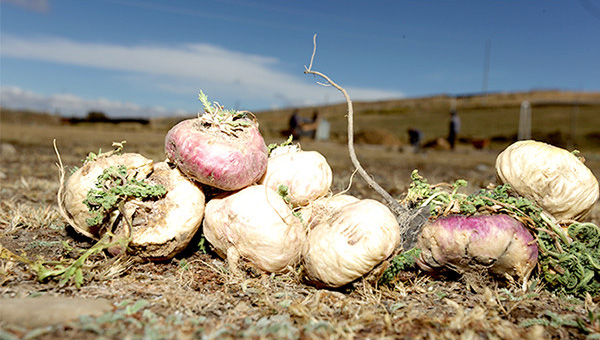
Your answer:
<point x="193" y="295"/>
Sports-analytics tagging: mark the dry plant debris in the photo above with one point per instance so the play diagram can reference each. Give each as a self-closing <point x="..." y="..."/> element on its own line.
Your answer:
<point x="194" y="296"/>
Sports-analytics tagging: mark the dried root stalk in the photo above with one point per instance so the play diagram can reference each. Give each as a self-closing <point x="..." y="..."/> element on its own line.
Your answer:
<point x="410" y="221"/>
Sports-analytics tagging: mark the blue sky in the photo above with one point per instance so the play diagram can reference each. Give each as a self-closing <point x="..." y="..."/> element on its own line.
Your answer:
<point x="151" y="57"/>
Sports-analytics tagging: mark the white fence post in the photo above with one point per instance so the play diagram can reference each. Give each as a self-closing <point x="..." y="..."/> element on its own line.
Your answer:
<point x="525" y="121"/>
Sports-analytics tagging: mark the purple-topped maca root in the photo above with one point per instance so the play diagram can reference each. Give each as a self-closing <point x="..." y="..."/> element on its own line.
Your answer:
<point x="463" y="243"/>
<point x="228" y="160"/>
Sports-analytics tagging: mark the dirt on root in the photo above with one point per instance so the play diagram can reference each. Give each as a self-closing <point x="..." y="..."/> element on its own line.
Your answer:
<point x="194" y="296"/>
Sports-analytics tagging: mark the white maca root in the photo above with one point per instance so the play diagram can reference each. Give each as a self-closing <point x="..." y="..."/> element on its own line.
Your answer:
<point x="552" y="177"/>
<point x="74" y="190"/>
<point x="162" y="228"/>
<point x="306" y="174"/>
<point x="283" y="149"/>
<point x="350" y="242"/>
<point x="254" y="224"/>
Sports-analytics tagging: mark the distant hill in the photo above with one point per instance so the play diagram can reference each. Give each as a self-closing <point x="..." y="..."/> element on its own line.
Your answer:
<point x="493" y="116"/>
<point x="28" y="117"/>
<point x="394" y="106"/>
<point x="443" y="102"/>
<point x="569" y="117"/>
<point x="439" y="103"/>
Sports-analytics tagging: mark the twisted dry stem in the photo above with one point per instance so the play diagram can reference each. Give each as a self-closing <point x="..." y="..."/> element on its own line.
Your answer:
<point x="410" y="221"/>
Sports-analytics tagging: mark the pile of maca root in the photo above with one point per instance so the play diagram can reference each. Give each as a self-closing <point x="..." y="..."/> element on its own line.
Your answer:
<point x="273" y="206"/>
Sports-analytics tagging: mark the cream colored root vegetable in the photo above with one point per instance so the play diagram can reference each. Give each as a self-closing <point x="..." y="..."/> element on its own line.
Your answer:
<point x="254" y="224"/>
<point x="306" y="174"/>
<point x="322" y="208"/>
<point x="552" y="177"/>
<point x="164" y="227"/>
<point x="350" y="242"/>
<point x="74" y="190"/>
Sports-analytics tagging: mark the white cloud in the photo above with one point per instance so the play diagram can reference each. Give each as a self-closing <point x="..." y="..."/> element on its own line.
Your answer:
<point x="182" y="67"/>
<point x="71" y="105"/>
<point x="41" y="6"/>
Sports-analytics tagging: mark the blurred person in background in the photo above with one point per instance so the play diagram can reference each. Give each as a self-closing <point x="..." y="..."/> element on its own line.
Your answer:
<point x="303" y="127"/>
<point x="454" y="127"/>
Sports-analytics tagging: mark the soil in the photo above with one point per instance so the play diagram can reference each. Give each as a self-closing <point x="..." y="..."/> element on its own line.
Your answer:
<point x="194" y="296"/>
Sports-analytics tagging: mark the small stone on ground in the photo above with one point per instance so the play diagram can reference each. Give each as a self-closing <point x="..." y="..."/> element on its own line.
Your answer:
<point x="49" y="310"/>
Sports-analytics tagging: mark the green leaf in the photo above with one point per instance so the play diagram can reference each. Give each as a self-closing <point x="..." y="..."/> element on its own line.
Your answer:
<point x="139" y="305"/>
<point x="78" y="277"/>
<point x="44" y="273"/>
<point x="67" y="275"/>
<point x="112" y="188"/>
<point x="405" y="261"/>
<point x="283" y="191"/>
<point x="124" y="303"/>
<point x="273" y="146"/>
<point x="204" y="99"/>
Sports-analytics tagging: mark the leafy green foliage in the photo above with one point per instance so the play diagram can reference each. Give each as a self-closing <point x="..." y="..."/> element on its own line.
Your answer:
<point x="66" y="270"/>
<point x="208" y="106"/>
<point x="93" y="156"/>
<point x="568" y="262"/>
<point x="74" y="271"/>
<point x="112" y="187"/>
<point x="273" y="146"/>
<point x="550" y="319"/>
<point x="445" y="198"/>
<point x="215" y="117"/>
<point x="203" y="245"/>
<point x="572" y="267"/>
<point x="215" y="108"/>
<point x="284" y="192"/>
<point x="405" y="261"/>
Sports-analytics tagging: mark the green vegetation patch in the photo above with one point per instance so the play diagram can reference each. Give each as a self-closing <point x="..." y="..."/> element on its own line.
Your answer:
<point x="114" y="187"/>
<point x="568" y="262"/>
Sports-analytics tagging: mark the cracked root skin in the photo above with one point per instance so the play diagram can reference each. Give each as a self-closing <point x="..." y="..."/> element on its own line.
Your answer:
<point x="258" y="224"/>
<point x="74" y="191"/>
<point x="349" y="242"/>
<point x="164" y="227"/>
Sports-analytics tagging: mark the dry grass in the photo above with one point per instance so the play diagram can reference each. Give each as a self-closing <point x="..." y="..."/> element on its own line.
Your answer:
<point x="497" y="119"/>
<point x="193" y="295"/>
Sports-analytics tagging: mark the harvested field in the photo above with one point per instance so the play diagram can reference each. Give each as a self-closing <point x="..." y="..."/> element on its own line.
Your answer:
<point x="194" y="296"/>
